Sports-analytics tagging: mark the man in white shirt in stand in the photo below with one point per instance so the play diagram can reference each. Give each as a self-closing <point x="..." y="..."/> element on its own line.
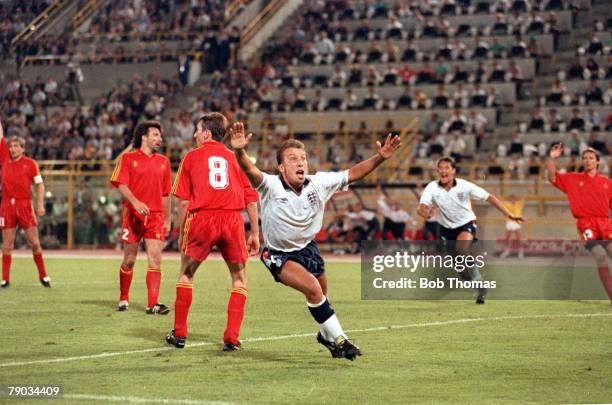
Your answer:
<point x="395" y="218"/>
<point x="457" y="220"/>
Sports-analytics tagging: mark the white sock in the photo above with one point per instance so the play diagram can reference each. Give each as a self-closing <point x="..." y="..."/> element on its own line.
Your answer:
<point x="331" y="329"/>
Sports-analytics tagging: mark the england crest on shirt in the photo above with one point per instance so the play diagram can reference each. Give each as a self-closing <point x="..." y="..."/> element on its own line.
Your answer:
<point x="312" y="198"/>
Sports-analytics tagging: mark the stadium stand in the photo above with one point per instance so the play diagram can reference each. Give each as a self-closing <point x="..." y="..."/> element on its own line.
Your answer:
<point x="492" y="83"/>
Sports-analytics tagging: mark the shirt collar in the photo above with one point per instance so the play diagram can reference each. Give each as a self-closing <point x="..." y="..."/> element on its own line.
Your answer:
<point x="140" y="152"/>
<point x="454" y="183"/>
<point x="288" y="187"/>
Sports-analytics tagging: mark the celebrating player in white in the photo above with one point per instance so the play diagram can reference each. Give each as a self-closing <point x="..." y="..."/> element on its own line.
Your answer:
<point x="292" y="206"/>
<point x="457" y="220"/>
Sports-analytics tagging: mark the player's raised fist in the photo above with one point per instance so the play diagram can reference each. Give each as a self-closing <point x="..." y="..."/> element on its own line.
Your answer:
<point x="392" y="143"/>
<point x="238" y="139"/>
<point x="556" y="150"/>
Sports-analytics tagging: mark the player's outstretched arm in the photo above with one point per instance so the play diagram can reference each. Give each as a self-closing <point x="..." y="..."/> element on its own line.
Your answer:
<point x="551" y="166"/>
<point x="239" y="141"/>
<point x="1" y="131"/>
<point x="385" y="151"/>
<point x="494" y="201"/>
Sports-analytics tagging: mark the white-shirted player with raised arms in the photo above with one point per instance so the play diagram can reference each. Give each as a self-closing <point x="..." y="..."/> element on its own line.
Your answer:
<point x="292" y="206"/>
<point x="452" y="197"/>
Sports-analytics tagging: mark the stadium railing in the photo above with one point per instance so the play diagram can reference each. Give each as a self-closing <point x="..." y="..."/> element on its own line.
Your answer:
<point x="127" y="57"/>
<point x="66" y="179"/>
<point x="258" y="22"/>
<point x="85" y="12"/>
<point x="32" y="28"/>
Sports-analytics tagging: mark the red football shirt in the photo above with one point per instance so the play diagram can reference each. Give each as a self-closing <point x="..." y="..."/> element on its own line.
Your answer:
<point x="147" y="177"/>
<point x="17" y="175"/>
<point x="588" y="196"/>
<point x="210" y="178"/>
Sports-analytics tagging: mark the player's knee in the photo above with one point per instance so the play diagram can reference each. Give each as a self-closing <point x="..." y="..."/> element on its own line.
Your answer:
<point x="155" y="261"/>
<point x="7" y="246"/>
<point x="189" y="272"/>
<point x="314" y="292"/>
<point x="36" y="248"/>
<point x="239" y="281"/>
<point x="129" y="262"/>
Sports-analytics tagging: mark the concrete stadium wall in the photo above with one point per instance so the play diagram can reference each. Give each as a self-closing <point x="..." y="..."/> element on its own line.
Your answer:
<point x="328" y="121"/>
<point x="102" y="77"/>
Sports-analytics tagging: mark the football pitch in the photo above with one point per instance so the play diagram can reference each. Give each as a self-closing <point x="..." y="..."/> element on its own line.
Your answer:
<point x="413" y="351"/>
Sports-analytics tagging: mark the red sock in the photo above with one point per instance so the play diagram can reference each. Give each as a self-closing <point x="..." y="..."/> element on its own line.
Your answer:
<point x="606" y="280"/>
<point x="235" y="314"/>
<point x="40" y="265"/>
<point x="6" y="267"/>
<point x="125" y="280"/>
<point x="181" y="308"/>
<point x="153" y="280"/>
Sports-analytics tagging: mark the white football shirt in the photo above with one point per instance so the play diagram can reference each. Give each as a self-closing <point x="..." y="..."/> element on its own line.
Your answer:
<point x="290" y="221"/>
<point x="454" y="206"/>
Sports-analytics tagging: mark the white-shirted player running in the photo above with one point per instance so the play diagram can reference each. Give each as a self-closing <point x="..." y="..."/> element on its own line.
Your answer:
<point x="292" y="206"/>
<point x="452" y="197"/>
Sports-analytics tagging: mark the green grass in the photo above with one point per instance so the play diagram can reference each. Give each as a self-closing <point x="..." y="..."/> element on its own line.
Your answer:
<point x="538" y="352"/>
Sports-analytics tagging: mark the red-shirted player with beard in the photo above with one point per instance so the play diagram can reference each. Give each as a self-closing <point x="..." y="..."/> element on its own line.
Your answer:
<point x="18" y="173"/>
<point x="142" y="177"/>
<point x="590" y="200"/>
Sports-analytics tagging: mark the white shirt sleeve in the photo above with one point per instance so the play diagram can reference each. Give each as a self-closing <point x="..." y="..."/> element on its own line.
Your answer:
<point x="265" y="188"/>
<point x="406" y="217"/>
<point x="383" y="207"/>
<point x="476" y="192"/>
<point x="329" y="182"/>
<point x="427" y="196"/>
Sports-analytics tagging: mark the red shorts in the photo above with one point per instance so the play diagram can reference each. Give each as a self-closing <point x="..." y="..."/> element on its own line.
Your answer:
<point x="595" y="228"/>
<point x="136" y="227"/>
<point x="205" y="229"/>
<point x="13" y="212"/>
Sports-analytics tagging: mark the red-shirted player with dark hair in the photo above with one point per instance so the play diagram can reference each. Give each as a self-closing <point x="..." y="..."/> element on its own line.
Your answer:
<point x="142" y="177"/>
<point x="590" y="199"/>
<point x="210" y="179"/>
<point x="18" y="173"/>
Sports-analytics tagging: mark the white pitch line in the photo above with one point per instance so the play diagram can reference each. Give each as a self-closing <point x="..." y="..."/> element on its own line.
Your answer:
<point x="300" y="335"/>
<point x="139" y="400"/>
<point x="170" y="256"/>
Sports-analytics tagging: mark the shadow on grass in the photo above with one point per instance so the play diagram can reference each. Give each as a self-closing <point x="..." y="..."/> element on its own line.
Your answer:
<point x="158" y="334"/>
<point x="112" y="304"/>
<point x="314" y="359"/>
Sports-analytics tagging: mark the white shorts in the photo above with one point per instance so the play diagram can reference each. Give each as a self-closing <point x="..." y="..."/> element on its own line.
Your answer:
<point x="513" y="226"/>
